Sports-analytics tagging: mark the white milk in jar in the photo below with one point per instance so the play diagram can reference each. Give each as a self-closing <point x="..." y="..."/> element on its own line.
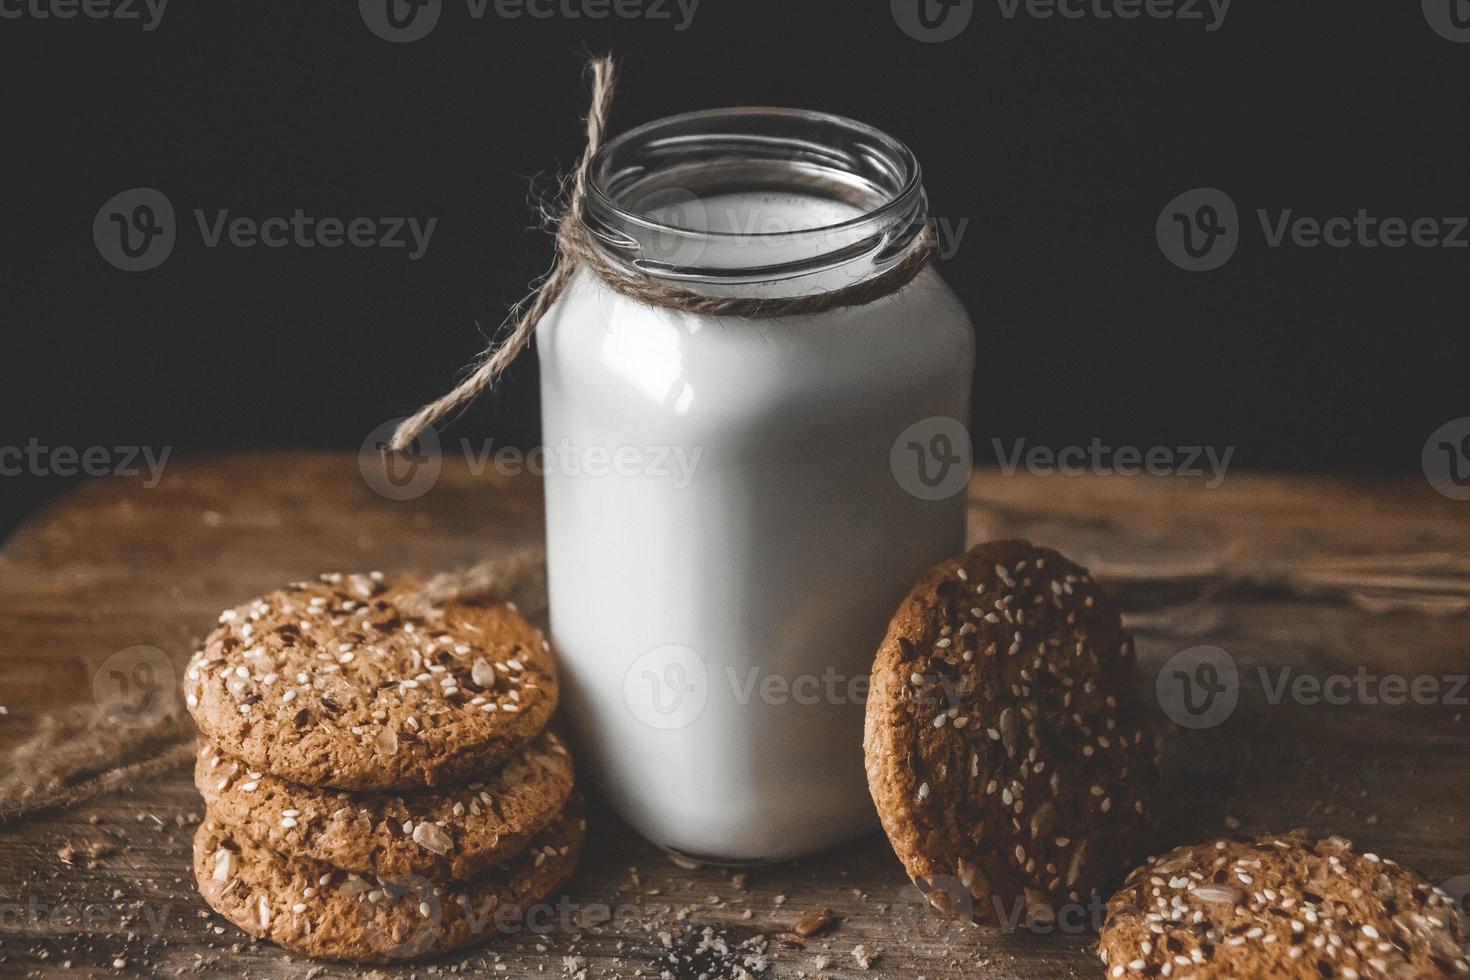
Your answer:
<point x="735" y="507"/>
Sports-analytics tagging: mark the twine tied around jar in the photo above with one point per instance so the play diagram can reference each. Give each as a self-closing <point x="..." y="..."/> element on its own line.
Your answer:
<point x="576" y="248"/>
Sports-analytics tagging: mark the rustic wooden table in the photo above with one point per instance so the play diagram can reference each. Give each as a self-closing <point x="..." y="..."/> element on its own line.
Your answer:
<point x="1319" y="577"/>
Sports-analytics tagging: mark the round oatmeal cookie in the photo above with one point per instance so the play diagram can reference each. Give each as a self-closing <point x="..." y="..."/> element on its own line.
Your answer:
<point x="1280" y="906"/>
<point x="336" y="683"/>
<point x="1007" y="747"/>
<point x="309" y="907"/>
<point x="446" y="833"/>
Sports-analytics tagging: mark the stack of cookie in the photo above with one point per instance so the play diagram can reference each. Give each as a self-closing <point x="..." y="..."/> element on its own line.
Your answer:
<point x="378" y="778"/>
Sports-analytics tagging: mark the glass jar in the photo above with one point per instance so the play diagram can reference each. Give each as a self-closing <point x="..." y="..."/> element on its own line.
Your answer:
<point x="732" y="509"/>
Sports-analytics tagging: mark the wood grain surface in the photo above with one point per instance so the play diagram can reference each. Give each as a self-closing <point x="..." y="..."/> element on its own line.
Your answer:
<point x="1315" y="577"/>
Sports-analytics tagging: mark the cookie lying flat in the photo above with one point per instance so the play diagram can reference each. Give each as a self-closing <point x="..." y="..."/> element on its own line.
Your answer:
<point x="1006" y="745"/>
<point x="336" y="683"/>
<point x="312" y="908"/>
<point x="1284" y="906"/>
<point x="447" y="833"/>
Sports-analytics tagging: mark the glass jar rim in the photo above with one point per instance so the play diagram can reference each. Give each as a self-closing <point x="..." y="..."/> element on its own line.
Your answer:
<point x="599" y="191"/>
<point x="822" y="155"/>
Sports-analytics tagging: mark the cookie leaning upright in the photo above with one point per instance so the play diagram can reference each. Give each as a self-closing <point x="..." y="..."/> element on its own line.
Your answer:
<point x="1006" y="744"/>
<point x="336" y="683"/>
<point x="1281" y="906"/>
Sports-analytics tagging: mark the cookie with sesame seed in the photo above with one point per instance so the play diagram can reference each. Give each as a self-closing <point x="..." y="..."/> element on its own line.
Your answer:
<point x="337" y="683"/>
<point x="311" y="908"/>
<point x="1280" y="906"/>
<point x="452" y="832"/>
<point x="1007" y="746"/>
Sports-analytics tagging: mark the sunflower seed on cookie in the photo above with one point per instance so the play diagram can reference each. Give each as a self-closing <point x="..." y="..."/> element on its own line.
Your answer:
<point x="1284" y="906"/>
<point x="334" y="683"/>
<point x="1006" y="744"/>
<point x="450" y="832"/>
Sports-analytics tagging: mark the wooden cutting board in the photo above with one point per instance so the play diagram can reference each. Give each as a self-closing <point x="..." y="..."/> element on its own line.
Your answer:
<point x="1324" y="577"/>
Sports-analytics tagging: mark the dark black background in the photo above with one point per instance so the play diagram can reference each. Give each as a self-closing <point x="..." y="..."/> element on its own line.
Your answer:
<point x="1059" y="140"/>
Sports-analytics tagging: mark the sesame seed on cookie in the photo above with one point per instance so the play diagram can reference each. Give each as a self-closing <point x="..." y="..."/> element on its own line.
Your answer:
<point x="312" y="908"/>
<point x="1282" y="906"/>
<point x="1007" y="747"/>
<point x="450" y="832"/>
<point x="335" y="683"/>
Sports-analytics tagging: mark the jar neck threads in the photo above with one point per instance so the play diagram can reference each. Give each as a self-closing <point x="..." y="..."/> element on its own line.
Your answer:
<point x="779" y="201"/>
